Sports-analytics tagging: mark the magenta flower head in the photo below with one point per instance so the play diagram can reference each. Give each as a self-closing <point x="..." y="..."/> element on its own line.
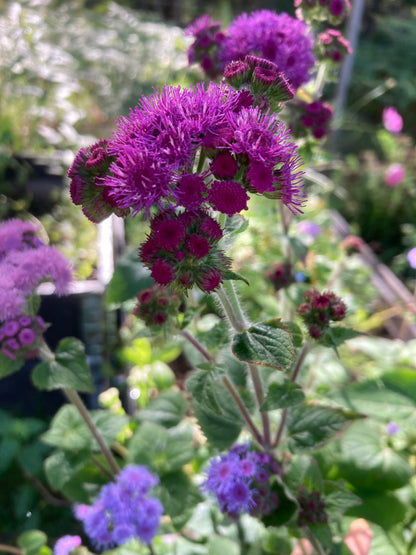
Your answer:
<point x="285" y="41"/>
<point x="66" y="544"/>
<point x="124" y="510"/>
<point x="319" y="309"/>
<point x="333" y="46"/>
<point x="281" y="275"/>
<point x="207" y="41"/>
<point x="394" y="175"/>
<point x="311" y="119"/>
<point x="182" y="250"/>
<point x="157" y="306"/>
<point x="87" y="188"/>
<point x="411" y="257"/>
<point x="311" y="507"/>
<point x="240" y="482"/>
<point x="334" y="11"/>
<point x="392" y="120"/>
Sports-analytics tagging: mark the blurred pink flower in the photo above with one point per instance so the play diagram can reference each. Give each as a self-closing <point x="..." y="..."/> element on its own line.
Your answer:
<point x="411" y="257"/>
<point x="392" y="120"/>
<point x="394" y="175"/>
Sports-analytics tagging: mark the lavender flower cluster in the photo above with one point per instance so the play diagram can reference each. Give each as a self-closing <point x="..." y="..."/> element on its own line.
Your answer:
<point x="25" y="261"/>
<point x="124" y="510"/>
<point x="240" y="481"/>
<point x="279" y="38"/>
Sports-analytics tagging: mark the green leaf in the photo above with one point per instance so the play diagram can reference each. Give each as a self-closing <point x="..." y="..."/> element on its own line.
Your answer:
<point x="32" y="541"/>
<point x="69" y="432"/>
<point x="220" y="544"/>
<point x="9" y="448"/>
<point x="402" y="382"/>
<point x="9" y="366"/>
<point x="322" y="532"/>
<point x="84" y="486"/>
<point x="282" y="395"/>
<point x="228" y="274"/>
<point x="69" y="369"/>
<point x="178" y="496"/>
<point x="265" y="344"/>
<point x="310" y="426"/>
<point x="335" y="336"/>
<point x="163" y="450"/>
<point x="129" y="278"/>
<point x="286" y="510"/>
<point x="372" y="398"/>
<point x="385" y="509"/>
<point x="61" y="466"/>
<point x="298" y="247"/>
<point x="368" y="464"/>
<point x="304" y="471"/>
<point x="215" y="410"/>
<point x="296" y="332"/>
<point x="338" y="500"/>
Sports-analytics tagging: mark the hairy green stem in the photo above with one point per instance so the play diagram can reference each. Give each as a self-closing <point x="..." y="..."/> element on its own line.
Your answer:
<point x="197" y="345"/>
<point x="76" y="400"/>
<point x="46" y="354"/>
<point x="231" y="305"/>
<point x="296" y="369"/>
<point x="315" y="543"/>
<point x="258" y="390"/>
<point x="243" y="410"/>
<point x="235" y="318"/>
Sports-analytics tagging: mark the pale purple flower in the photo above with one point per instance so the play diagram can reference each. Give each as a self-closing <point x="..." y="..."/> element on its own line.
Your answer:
<point x="392" y="428"/>
<point x="17" y="235"/>
<point x="239" y="480"/>
<point x="123" y="510"/>
<point x="392" y="120"/>
<point x="309" y="228"/>
<point x="66" y="544"/>
<point x="394" y="175"/>
<point x="411" y="257"/>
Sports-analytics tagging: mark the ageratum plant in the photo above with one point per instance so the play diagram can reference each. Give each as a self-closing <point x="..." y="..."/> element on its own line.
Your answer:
<point x="237" y="460"/>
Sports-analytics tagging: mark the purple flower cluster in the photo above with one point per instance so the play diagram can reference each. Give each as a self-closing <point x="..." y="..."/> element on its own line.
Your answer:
<point x="153" y="152"/>
<point x="319" y="309"/>
<point x="155" y="305"/>
<point x="334" y="11"/>
<point x="24" y="263"/>
<point x="182" y="249"/>
<point x="332" y="45"/>
<point x="66" y="544"/>
<point x="123" y="510"/>
<point x="240" y="481"/>
<point x="279" y="38"/>
<point x="154" y="165"/>
<point x="312" y="118"/>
